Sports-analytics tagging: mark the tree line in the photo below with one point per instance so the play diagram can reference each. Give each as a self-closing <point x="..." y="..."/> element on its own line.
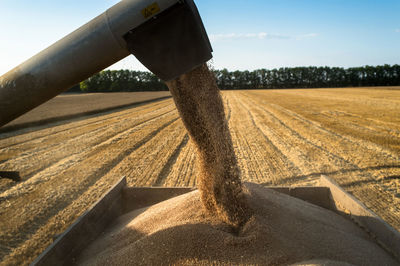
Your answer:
<point x="288" y="77"/>
<point x="122" y="81"/>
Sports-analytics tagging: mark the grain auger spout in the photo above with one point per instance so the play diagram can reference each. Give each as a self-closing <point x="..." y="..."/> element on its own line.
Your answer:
<point x="167" y="36"/>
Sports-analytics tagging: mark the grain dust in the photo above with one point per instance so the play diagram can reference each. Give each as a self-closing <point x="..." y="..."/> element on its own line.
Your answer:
<point x="200" y="106"/>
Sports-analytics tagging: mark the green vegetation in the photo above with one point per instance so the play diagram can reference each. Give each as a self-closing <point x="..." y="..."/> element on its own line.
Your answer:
<point x="122" y="81"/>
<point x="296" y="77"/>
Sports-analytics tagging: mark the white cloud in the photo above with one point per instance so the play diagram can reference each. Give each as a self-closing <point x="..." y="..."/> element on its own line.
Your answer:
<point x="308" y="35"/>
<point x="397" y="30"/>
<point x="235" y="36"/>
<point x="260" y="35"/>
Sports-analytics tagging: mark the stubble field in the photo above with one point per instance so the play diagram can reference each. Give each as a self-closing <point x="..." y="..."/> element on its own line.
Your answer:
<point x="281" y="137"/>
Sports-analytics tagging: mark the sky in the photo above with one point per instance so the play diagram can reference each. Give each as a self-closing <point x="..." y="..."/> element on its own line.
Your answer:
<point x="245" y="34"/>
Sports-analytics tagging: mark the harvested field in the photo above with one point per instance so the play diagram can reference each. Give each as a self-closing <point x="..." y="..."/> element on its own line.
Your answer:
<point x="281" y="137"/>
<point x="67" y="106"/>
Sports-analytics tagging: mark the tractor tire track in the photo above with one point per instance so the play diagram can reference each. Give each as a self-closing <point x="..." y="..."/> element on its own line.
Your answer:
<point x="65" y="153"/>
<point x="185" y="171"/>
<point x="52" y="140"/>
<point x="171" y="161"/>
<point x="18" y="137"/>
<point x="327" y="142"/>
<point x="270" y="165"/>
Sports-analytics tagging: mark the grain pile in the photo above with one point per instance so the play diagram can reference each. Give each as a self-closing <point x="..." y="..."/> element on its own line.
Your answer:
<point x="200" y="106"/>
<point x="282" y="231"/>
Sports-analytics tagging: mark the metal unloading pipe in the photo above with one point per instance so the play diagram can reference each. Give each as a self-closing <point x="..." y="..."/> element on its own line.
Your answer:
<point x="124" y="28"/>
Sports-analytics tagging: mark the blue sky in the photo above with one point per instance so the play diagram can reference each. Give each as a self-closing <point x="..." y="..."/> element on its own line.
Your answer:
<point x="248" y="34"/>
